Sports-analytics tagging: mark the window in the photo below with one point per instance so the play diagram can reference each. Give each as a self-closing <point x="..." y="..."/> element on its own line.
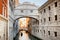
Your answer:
<point x="55" y="17"/>
<point x="48" y="32"/>
<point x="55" y="34"/>
<point x="38" y="30"/>
<point x="55" y="4"/>
<point x="44" y="10"/>
<point x="44" y="31"/>
<point x="49" y="8"/>
<point x="44" y="19"/>
<point x="31" y="11"/>
<point x="41" y="20"/>
<point x="49" y="18"/>
<point x="22" y="11"/>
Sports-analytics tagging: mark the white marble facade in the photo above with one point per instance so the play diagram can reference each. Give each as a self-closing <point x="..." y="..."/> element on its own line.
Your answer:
<point x="26" y="9"/>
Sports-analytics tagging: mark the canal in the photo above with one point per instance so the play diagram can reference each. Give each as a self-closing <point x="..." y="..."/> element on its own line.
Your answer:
<point x="23" y="35"/>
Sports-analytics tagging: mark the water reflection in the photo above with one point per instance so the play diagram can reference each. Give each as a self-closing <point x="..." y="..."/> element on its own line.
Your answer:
<point x="23" y="35"/>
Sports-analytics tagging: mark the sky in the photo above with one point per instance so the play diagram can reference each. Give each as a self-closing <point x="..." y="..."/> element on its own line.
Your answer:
<point x="36" y="2"/>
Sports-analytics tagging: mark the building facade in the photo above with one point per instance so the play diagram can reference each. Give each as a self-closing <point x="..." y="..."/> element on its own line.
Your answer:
<point x="13" y="29"/>
<point x="3" y="19"/>
<point x="49" y="21"/>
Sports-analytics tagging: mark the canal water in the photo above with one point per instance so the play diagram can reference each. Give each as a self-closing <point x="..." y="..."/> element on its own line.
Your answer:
<point x="23" y="35"/>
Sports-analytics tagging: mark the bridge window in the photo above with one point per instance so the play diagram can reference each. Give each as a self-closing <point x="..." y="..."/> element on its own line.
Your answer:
<point x="21" y="11"/>
<point x="31" y="11"/>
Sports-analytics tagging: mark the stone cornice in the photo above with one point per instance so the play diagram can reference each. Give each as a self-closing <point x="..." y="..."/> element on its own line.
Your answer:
<point x="27" y="5"/>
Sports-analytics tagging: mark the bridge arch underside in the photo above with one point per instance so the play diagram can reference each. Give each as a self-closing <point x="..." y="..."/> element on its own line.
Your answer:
<point x="33" y="17"/>
<point x="29" y="16"/>
<point x="32" y="23"/>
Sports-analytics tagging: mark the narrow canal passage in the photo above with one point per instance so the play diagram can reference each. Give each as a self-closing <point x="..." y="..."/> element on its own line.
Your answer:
<point x="23" y="35"/>
<point x="26" y="24"/>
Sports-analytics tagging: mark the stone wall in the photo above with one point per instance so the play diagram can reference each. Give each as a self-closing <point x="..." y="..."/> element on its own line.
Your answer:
<point x="3" y="28"/>
<point x="49" y="26"/>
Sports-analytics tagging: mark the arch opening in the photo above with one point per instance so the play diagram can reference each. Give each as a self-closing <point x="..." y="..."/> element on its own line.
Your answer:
<point x="26" y="23"/>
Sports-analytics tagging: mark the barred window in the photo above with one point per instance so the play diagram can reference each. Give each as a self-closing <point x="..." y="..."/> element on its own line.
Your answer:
<point x="49" y="32"/>
<point x="55" y="4"/>
<point x="49" y="19"/>
<point x="55" y="34"/>
<point x="55" y="17"/>
<point x="22" y="11"/>
<point x="44" y="10"/>
<point x="49" y="8"/>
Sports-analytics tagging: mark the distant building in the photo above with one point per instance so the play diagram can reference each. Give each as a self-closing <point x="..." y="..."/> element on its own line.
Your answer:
<point x="49" y="27"/>
<point x="13" y="29"/>
<point x="3" y="19"/>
